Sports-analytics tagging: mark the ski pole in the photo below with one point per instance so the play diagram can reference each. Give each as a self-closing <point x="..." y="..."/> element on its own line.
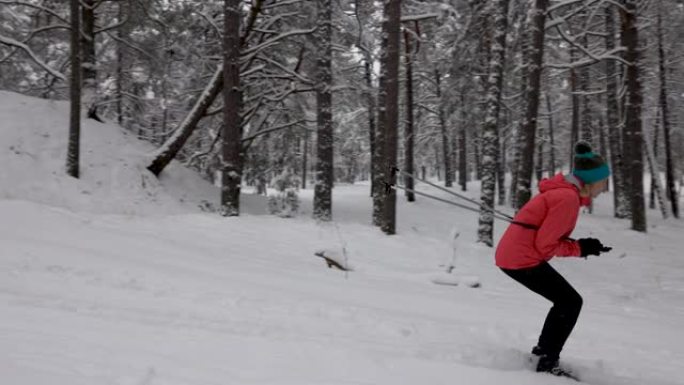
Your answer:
<point x="486" y="207"/>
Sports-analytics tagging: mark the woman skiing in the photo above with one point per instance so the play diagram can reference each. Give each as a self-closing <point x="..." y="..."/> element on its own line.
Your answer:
<point x="540" y="231"/>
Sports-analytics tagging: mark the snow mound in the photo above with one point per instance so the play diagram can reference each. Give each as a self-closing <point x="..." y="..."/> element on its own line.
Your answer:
<point x="113" y="175"/>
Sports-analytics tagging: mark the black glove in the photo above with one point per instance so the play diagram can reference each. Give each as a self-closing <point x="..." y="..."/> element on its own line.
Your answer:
<point x="592" y="246"/>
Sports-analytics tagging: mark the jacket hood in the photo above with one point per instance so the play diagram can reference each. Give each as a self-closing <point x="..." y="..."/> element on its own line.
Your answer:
<point x="560" y="181"/>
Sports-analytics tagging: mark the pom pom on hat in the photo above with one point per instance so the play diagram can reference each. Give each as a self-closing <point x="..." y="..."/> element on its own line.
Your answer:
<point x="582" y="147"/>
<point x="589" y="167"/>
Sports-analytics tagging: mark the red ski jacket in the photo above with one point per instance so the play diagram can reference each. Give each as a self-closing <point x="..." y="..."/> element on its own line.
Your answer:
<point x="554" y="214"/>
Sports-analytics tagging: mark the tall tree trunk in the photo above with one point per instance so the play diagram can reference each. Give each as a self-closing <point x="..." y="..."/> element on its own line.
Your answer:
<point x="515" y="161"/>
<point x="587" y="124"/>
<point x="534" y="54"/>
<point x="231" y="137"/>
<point x="372" y="131"/>
<point x="667" y="138"/>
<point x="122" y="35"/>
<point x="612" y="116"/>
<point x="390" y="62"/>
<point x="446" y="153"/>
<point x="575" y="119"/>
<point x="89" y="59"/>
<point x="490" y="129"/>
<point x="633" y="129"/>
<point x="502" y="161"/>
<point x="656" y="186"/>
<point x="552" y="143"/>
<point x="462" y="155"/>
<point x="73" y="150"/>
<point x="477" y="145"/>
<point x="539" y="166"/>
<point x="653" y="148"/>
<point x="384" y="200"/>
<point x="586" y="131"/>
<point x="324" y="138"/>
<point x="408" y="133"/>
<point x="305" y="157"/>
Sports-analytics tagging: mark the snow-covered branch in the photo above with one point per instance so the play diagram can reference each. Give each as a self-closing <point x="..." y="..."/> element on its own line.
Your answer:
<point x="112" y="26"/>
<point x="277" y="39"/>
<point x="36" y="6"/>
<point x="13" y="43"/>
<point x="272" y="129"/>
<point x="425" y="16"/>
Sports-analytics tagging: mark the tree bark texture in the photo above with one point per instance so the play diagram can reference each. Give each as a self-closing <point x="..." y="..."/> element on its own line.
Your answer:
<point x="73" y="149"/>
<point x="633" y="127"/>
<point x="324" y="138"/>
<point x="490" y="129"/>
<point x="533" y="60"/>
<point x="231" y="136"/>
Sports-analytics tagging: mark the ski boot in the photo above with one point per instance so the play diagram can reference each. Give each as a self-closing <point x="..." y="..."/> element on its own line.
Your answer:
<point x="549" y="364"/>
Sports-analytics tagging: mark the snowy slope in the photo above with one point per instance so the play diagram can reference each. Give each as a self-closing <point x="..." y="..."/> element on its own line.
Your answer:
<point x="127" y="285"/>
<point x="33" y="136"/>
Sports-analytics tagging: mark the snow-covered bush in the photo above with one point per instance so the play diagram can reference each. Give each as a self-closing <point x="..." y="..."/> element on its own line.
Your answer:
<point x="285" y="202"/>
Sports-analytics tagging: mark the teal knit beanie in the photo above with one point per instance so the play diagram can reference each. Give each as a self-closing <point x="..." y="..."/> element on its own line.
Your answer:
<point x="589" y="167"/>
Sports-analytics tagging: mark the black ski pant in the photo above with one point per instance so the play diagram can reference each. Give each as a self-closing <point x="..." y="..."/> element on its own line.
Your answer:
<point x="547" y="282"/>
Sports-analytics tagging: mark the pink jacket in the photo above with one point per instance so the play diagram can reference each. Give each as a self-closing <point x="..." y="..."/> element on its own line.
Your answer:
<point x="554" y="212"/>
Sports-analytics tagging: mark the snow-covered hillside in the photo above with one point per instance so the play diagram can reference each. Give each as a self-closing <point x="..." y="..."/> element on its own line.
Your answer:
<point x="120" y="279"/>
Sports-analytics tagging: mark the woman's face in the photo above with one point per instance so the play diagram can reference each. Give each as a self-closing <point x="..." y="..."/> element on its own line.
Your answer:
<point x="595" y="189"/>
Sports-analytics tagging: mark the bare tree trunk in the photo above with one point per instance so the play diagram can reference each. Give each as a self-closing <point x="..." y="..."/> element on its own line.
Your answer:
<point x="73" y="150"/>
<point x="587" y="124"/>
<point x="89" y="59"/>
<point x="446" y="156"/>
<point x="372" y="131"/>
<point x="656" y="186"/>
<point x="390" y="64"/>
<point x="231" y="137"/>
<point x="408" y="133"/>
<point x="669" y="165"/>
<point x="324" y="146"/>
<point x="574" y="123"/>
<point x="613" y="121"/>
<point x="653" y="148"/>
<point x="490" y="129"/>
<point x="633" y="129"/>
<point x="515" y="161"/>
<point x="502" y="161"/>
<point x="539" y="166"/>
<point x="380" y="172"/>
<point x="552" y="143"/>
<point x="462" y="161"/>
<point x="122" y="34"/>
<point x="603" y="147"/>
<point x="305" y="157"/>
<point x="533" y="60"/>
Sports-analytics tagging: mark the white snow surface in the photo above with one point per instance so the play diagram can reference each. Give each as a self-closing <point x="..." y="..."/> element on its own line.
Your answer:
<point x="120" y="279"/>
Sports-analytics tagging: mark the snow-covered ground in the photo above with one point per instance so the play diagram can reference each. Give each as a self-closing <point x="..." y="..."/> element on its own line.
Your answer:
<point x="120" y="279"/>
